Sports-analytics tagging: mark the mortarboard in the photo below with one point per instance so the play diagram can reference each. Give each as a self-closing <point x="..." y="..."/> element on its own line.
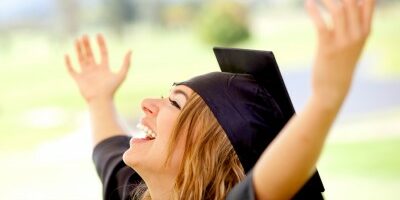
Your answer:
<point x="250" y="101"/>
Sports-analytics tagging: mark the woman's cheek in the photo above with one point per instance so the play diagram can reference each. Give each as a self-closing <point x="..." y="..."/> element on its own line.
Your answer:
<point x="166" y="121"/>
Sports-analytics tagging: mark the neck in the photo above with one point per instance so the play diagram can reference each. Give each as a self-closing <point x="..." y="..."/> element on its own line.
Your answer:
<point x="159" y="185"/>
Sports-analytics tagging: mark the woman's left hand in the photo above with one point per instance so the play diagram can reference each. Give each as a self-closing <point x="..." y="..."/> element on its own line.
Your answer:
<point x="290" y="159"/>
<point x="340" y="45"/>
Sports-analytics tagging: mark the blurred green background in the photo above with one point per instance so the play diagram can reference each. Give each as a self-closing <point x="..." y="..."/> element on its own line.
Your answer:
<point x="45" y="149"/>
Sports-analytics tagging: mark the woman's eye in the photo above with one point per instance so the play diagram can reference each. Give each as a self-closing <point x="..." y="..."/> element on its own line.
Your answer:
<point x="174" y="103"/>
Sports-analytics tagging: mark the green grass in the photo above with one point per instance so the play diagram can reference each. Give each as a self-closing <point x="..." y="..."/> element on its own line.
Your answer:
<point x="376" y="158"/>
<point x="361" y="170"/>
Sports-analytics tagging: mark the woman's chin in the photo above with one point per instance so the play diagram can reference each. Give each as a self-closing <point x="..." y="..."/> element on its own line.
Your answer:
<point x="129" y="158"/>
<point x="134" y="157"/>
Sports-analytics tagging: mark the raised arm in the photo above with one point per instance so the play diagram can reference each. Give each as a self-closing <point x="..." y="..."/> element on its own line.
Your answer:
<point x="98" y="84"/>
<point x="290" y="160"/>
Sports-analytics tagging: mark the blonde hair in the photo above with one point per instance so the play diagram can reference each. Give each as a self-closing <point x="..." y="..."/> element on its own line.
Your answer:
<point x="210" y="167"/>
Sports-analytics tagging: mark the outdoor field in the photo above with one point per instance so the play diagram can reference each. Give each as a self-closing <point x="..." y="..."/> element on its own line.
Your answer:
<point x="45" y="147"/>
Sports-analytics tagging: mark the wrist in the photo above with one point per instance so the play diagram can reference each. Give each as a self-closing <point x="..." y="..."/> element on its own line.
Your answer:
<point x="100" y="101"/>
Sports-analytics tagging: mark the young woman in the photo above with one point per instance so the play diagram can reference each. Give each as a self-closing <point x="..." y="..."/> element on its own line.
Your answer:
<point x="213" y="129"/>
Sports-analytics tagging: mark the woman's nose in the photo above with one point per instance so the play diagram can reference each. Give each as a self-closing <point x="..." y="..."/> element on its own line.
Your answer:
<point x="151" y="106"/>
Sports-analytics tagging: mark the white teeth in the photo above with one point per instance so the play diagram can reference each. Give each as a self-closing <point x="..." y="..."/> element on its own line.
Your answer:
<point x="147" y="131"/>
<point x="140" y="126"/>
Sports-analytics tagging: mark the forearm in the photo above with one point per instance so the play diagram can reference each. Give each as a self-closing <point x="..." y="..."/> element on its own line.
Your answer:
<point x="290" y="160"/>
<point x="104" y="120"/>
<point x="97" y="85"/>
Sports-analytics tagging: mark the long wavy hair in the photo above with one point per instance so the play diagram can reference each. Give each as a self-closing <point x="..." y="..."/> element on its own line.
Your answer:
<point x="210" y="167"/>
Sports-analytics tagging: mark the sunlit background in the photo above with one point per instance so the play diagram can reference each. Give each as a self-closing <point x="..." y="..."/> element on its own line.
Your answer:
<point x="45" y="147"/>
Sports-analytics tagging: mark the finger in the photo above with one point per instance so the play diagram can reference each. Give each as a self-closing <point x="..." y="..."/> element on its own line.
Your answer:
<point x="368" y="12"/>
<point x="126" y="65"/>
<point x="316" y="17"/>
<point x="71" y="70"/>
<point x="338" y="16"/>
<point x="353" y="12"/>
<point x="88" y="50"/>
<point x="79" y="51"/>
<point x="103" y="49"/>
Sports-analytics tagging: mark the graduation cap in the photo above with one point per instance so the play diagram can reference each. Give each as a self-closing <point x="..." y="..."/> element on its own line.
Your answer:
<point x="250" y="101"/>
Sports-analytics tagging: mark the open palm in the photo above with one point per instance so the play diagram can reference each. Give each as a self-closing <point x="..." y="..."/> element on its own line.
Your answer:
<point x="340" y="44"/>
<point x="95" y="79"/>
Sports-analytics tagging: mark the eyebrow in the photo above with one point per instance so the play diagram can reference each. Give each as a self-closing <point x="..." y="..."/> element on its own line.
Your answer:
<point x="178" y="91"/>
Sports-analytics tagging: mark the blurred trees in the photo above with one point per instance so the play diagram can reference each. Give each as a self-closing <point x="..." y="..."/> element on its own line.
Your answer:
<point x="69" y="15"/>
<point x="117" y="14"/>
<point x="224" y="23"/>
<point x="178" y="15"/>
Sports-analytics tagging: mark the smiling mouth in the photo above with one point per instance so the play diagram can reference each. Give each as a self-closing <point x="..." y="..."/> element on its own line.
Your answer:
<point x="145" y="132"/>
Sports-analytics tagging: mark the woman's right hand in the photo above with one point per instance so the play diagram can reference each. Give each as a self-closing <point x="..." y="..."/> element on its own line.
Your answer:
<point x="340" y="45"/>
<point x="289" y="161"/>
<point x="95" y="79"/>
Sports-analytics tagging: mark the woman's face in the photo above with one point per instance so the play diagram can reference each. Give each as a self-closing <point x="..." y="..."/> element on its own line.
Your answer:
<point x="160" y="115"/>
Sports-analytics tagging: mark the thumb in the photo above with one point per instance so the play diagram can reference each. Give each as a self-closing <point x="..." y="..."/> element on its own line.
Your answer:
<point x="126" y="65"/>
